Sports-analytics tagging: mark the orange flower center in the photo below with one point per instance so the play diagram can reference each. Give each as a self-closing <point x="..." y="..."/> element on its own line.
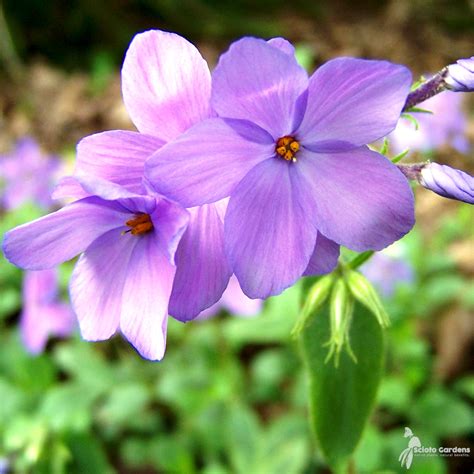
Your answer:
<point x="287" y="148"/>
<point x="140" y="224"/>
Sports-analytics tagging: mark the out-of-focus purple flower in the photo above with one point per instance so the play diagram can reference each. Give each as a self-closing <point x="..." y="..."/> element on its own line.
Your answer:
<point x="235" y="301"/>
<point x="123" y="279"/>
<point x="445" y="126"/>
<point x="166" y="86"/>
<point x="460" y="76"/>
<point x="290" y="152"/>
<point x="386" y="272"/>
<point x="27" y="175"/>
<point x="448" y="182"/>
<point x="44" y="315"/>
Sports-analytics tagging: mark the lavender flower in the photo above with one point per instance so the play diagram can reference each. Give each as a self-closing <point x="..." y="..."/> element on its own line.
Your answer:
<point x="460" y="76"/>
<point x="44" y="315"/>
<point x="235" y="301"/>
<point x="125" y="275"/>
<point x="446" y="126"/>
<point x="166" y="87"/>
<point x="387" y="271"/>
<point x="26" y="175"/>
<point x="448" y="182"/>
<point x="290" y="152"/>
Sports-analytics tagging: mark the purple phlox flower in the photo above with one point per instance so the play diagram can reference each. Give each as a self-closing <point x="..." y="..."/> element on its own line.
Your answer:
<point x="123" y="279"/>
<point x="27" y="175"/>
<point x="447" y="182"/>
<point x="166" y="87"/>
<point x="291" y="154"/>
<point x="388" y="269"/>
<point x="446" y="126"/>
<point x="235" y="301"/>
<point x="44" y="315"/>
<point x="460" y="76"/>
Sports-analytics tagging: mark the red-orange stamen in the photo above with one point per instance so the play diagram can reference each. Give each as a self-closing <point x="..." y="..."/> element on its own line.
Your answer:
<point x="287" y="148"/>
<point x="140" y="224"/>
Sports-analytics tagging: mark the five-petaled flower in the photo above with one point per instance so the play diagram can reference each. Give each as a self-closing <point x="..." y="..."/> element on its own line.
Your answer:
<point x="123" y="278"/>
<point x="290" y="152"/>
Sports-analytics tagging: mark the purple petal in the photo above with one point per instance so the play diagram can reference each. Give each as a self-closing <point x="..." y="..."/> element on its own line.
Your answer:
<point x="97" y="282"/>
<point x="460" y="76"/>
<point x="60" y="236"/>
<point x="448" y="182"/>
<point x="146" y="293"/>
<point x="117" y="156"/>
<point x="166" y="84"/>
<point x="69" y="188"/>
<point x="204" y="164"/>
<point x="353" y="102"/>
<point x="363" y="201"/>
<point x="270" y="228"/>
<point x="202" y="268"/>
<point x="324" y="258"/>
<point x="283" y="45"/>
<point x="237" y="302"/>
<point x="258" y="82"/>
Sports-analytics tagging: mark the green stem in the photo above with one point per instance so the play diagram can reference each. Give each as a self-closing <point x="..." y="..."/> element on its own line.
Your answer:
<point x="357" y="261"/>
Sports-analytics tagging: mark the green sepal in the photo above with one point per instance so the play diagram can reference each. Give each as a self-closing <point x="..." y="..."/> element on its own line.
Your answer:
<point x="315" y="298"/>
<point x="411" y="119"/>
<point x="420" y="110"/>
<point x="365" y="293"/>
<point x="400" y="156"/>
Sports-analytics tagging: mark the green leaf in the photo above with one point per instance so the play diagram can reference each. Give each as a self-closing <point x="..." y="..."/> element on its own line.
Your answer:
<point x="342" y="398"/>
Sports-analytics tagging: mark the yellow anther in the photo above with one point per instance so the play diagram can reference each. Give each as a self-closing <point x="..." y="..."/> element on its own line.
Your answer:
<point x="287" y="147"/>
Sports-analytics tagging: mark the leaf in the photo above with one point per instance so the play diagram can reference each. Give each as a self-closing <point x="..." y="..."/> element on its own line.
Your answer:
<point x="342" y="398"/>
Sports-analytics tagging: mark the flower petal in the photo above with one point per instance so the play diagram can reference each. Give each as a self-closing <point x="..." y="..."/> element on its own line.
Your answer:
<point x="145" y="298"/>
<point x="117" y="156"/>
<point x="258" y="82"/>
<point x="61" y="235"/>
<point x="69" y="188"/>
<point x="270" y="229"/>
<point x="352" y="102"/>
<point x="282" y="44"/>
<point x="204" y="164"/>
<point x="166" y="84"/>
<point x="363" y="201"/>
<point x="97" y="282"/>
<point x="324" y="258"/>
<point x="202" y="268"/>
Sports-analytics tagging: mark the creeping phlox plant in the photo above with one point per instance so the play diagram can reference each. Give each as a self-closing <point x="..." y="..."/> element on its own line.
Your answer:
<point x="255" y="172"/>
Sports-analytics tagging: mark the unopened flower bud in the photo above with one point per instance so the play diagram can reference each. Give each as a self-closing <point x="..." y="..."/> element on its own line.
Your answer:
<point x="460" y="77"/>
<point x="448" y="182"/>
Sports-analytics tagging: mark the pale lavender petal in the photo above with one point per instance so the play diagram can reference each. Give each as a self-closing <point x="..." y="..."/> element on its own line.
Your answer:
<point x="60" y="236"/>
<point x="363" y="201"/>
<point x="69" y="188"/>
<point x="202" y="268"/>
<point x="235" y="300"/>
<point x="205" y="163"/>
<point x="283" y="45"/>
<point x="97" y="282"/>
<point x="258" y="82"/>
<point x="324" y="258"/>
<point x="448" y="182"/>
<point x="460" y="76"/>
<point x="270" y="228"/>
<point x="166" y="84"/>
<point x="353" y="102"/>
<point x="117" y="156"/>
<point x="145" y="297"/>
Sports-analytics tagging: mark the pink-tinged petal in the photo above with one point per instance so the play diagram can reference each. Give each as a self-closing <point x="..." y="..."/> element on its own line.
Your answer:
<point x="202" y="268"/>
<point x="117" y="156"/>
<point x="352" y="102"/>
<point x="324" y="258"/>
<point x="237" y="302"/>
<point x="60" y="236"/>
<point x="170" y="221"/>
<point x="283" y="45"/>
<point x="145" y="298"/>
<point x="166" y="84"/>
<point x="270" y="228"/>
<point x="258" y="82"/>
<point x="97" y="282"/>
<point x="69" y="188"/>
<point x="363" y="200"/>
<point x="205" y="163"/>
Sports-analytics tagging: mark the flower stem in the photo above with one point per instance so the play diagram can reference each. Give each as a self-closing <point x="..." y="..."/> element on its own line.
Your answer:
<point x="358" y="260"/>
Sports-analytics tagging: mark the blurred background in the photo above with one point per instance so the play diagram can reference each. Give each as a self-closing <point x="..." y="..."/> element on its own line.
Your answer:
<point x="230" y="394"/>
